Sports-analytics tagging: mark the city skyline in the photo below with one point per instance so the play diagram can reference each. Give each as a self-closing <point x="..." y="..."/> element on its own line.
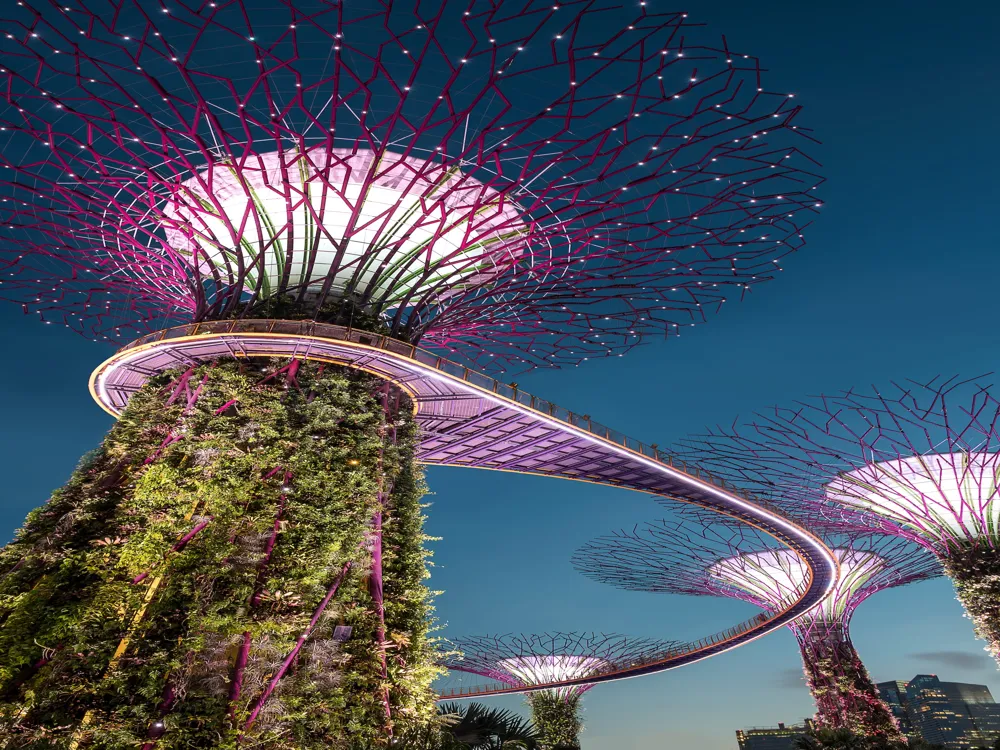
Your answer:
<point x="811" y="319"/>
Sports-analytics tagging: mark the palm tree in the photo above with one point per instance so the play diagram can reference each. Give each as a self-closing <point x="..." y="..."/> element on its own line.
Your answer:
<point x="473" y="726"/>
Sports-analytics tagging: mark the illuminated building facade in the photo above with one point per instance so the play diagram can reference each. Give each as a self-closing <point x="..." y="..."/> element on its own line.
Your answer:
<point x="956" y="715"/>
<point x="780" y="737"/>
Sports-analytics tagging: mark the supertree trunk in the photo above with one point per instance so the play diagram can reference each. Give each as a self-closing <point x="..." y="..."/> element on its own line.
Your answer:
<point x="845" y="696"/>
<point x="557" y="719"/>
<point x="974" y="569"/>
<point x="212" y="576"/>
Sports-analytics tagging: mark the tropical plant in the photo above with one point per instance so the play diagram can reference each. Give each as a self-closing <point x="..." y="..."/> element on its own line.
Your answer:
<point x="473" y="726"/>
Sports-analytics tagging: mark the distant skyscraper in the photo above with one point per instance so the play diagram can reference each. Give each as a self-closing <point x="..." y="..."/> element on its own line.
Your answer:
<point x="956" y="715"/>
<point x="772" y="738"/>
<point x="938" y="719"/>
<point x="894" y="695"/>
<point x="964" y="692"/>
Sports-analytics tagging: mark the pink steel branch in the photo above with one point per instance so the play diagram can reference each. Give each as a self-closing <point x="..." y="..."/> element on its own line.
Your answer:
<point x="182" y="387"/>
<point x="650" y="177"/>
<point x="697" y="555"/>
<point x="524" y="660"/>
<point x="913" y="459"/>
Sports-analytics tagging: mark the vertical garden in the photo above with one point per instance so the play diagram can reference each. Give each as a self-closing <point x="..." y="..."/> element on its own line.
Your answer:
<point x="206" y="576"/>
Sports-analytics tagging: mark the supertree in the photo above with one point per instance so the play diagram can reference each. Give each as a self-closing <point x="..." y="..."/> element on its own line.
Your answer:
<point x="517" y="184"/>
<point x="699" y="556"/>
<point x="526" y="660"/>
<point x="914" y="459"/>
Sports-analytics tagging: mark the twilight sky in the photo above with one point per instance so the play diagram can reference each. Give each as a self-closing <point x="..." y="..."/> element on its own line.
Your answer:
<point x="898" y="280"/>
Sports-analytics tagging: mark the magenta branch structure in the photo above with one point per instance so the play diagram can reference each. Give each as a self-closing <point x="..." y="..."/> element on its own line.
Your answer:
<point x="526" y="661"/>
<point x="697" y="555"/>
<point x="915" y="459"/>
<point x="518" y="184"/>
<point x="508" y="185"/>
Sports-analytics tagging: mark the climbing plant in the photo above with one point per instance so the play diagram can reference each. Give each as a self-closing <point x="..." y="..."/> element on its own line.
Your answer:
<point x="206" y="577"/>
<point x="846" y="697"/>
<point x="557" y="719"/>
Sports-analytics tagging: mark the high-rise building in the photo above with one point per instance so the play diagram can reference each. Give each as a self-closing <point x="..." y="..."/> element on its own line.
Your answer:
<point x="939" y="719"/>
<point x="894" y="695"/>
<point x="957" y="715"/>
<point x="772" y="738"/>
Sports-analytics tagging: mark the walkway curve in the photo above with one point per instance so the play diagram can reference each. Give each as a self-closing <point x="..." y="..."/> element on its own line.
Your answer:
<point x="469" y="419"/>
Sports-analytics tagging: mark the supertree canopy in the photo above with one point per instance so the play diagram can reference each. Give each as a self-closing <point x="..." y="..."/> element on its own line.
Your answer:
<point x="698" y="556"/>
<point x="516" y="183"/>
<point x="915" y="459"/>
<point x="523" y="660"/>
<point x="520" y="183"/>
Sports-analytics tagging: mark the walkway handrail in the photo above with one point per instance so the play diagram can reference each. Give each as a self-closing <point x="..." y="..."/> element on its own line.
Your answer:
<point x="677" y="651"/>
<point x="426" y="357"/>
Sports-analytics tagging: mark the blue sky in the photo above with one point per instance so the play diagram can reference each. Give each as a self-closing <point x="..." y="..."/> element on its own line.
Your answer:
<point x="898" y="280"/>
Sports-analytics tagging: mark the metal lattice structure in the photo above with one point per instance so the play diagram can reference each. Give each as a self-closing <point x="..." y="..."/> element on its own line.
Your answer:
<point x="528" y="660"/>
<point x="518" y="183"/>
<point x="917" y="459"/>
<point x="509" y="184"/>
<point x="699" y="556"/>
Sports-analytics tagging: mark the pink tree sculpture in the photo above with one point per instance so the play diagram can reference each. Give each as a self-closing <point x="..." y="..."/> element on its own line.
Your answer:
<point x="915" y="459"/>
<point x="541" y="659"/>
<point x="701" y="557"/>
<point x="519" y="185"/>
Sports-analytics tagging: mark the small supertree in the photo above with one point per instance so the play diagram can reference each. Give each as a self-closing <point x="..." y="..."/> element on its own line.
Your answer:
<point x="525" y="660"/>
<point x="697" y="555"/>
<point x="920" y="460"/>
<point x="513" y="184"/>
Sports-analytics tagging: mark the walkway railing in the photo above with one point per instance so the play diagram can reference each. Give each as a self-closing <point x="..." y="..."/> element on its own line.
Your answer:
<point x="425" y="357"/>
<point x="686" y="649"/>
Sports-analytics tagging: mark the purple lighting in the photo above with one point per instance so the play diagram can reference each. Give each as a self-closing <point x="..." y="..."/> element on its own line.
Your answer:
<point x="537" y="659"/>
<point x="420" y="192"/>
<point x="915" y="459"/>
<point x="525" y="661"/>
<point x="700" y="556"/>
<point x="214" y="160"/>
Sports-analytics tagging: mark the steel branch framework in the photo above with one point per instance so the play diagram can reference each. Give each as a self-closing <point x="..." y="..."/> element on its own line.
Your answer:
<point x="513" y="184"/>
<point x="516" y="183"/>
<point x="698" y="555"/>
<point x="916" y="459"/>
<point x="527" y="660"/>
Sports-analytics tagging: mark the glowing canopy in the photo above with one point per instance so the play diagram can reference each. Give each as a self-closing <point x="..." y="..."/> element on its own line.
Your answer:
<point x="941" y="497"/>
<point x="773" y="577"/>
<point x="539" y="669"/>
<point x="380" y="228"/>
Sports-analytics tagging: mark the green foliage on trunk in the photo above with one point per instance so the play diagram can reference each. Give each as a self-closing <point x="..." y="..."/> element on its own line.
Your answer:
<point x="845" y="695"/>
<point x="974" y="570"/>
<point x="115" y="614"/>
<point x="557" y="719"/>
